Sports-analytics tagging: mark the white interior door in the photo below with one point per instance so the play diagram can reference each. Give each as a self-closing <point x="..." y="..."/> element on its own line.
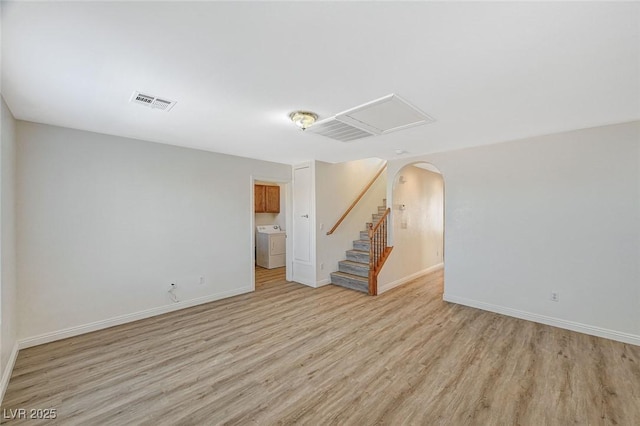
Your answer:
<point x="301" y="213"/>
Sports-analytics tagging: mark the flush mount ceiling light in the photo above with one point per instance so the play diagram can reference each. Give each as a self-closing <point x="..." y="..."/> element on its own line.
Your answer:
<point x="303" y="119"/>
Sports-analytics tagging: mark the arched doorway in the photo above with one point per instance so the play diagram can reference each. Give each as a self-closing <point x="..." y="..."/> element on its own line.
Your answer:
<point x="417" y="229"/>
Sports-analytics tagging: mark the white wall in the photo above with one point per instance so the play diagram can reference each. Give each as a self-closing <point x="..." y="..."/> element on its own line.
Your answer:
<point x="337" y="186"/>
<point x="554" y="213"/>
<point x="105" y="224"/>
<point x="8" y="287"/>
<point x="417" y="231"/>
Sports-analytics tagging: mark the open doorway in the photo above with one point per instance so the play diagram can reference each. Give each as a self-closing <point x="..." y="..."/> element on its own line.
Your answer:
<point x="269" y="231"/>
<point x="417" y="229"/>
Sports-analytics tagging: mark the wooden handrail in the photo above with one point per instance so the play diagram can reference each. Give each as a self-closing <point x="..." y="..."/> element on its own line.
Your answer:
<point x="375" y="227"/>
<point x="357" y="200"/>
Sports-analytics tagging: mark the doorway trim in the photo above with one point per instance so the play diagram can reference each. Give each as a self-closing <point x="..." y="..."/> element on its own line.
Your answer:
<point x="287" y="223"/>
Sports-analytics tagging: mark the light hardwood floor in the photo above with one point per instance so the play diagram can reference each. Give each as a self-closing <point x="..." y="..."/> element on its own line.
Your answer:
<point x="292" y="354"/>
<point x="269" y="277"/>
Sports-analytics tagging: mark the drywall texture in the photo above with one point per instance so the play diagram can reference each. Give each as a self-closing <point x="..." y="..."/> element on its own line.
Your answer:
<point x="107" y="223"/>
<point x="337" y="186"/>
<point x="416" y="223"/>
<point x="558" y="213"/>
<point x="8" y="287"/>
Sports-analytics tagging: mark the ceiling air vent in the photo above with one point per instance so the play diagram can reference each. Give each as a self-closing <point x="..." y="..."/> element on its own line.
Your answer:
<point x="385" y="115"/>
<point x="152" y="101"/>
<point x="338" y="130"/>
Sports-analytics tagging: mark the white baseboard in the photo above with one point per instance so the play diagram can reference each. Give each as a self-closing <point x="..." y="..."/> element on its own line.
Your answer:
<point x="6" y="374"/>
<point x="404" y="280"/>
<point x="543" y="319"/>
<point x="305" y="282"/>
<point x="123" y="319"/>
<point x="323" y="282"/>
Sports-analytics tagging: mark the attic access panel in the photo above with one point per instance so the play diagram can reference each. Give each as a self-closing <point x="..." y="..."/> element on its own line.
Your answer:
<point x="385" y="115"/>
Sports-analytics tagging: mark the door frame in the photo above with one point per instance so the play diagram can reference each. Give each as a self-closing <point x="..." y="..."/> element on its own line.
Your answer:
<point x="288" y="223"/>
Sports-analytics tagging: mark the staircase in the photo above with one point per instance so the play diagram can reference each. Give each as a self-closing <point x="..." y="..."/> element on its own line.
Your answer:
<point x="353" y="273"/>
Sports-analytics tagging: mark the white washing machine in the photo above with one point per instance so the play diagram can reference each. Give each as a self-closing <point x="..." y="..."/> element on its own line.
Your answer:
<point x="270" y="246"/>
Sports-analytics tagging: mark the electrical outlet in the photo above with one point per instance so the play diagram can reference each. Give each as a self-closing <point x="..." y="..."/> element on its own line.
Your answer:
<point x="322" y="266"/>
<point x="555" y="296"/>
<point x="201" y="282"/>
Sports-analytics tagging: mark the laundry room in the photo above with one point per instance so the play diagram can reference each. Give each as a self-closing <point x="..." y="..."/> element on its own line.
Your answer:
<point x="269" y="232"/>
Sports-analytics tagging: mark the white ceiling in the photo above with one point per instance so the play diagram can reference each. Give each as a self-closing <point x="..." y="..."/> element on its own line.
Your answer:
<point x="487" y="72"/>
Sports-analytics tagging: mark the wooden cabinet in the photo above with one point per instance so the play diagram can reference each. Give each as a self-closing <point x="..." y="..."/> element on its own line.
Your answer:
<point x="267" y="199"/>
<point x="260" y="199"/>
<point x="272" y="199"/>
